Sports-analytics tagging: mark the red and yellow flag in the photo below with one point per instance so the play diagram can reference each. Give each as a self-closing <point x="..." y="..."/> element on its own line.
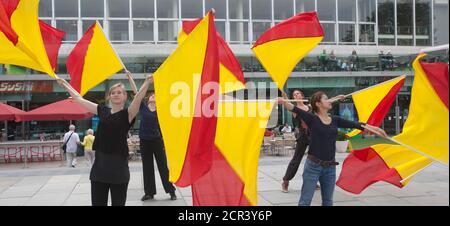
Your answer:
<point x="92" y="60"/>
<point x="21" y="40"/>
<point x="186" y="106"/>
<point x="426" y="130"/>
<point x="52" y="38"/>
<point x="231" y="75"/>
<point x="280" y="48"/>
<point x="373" y="103"/>
<point x="232" y="179"/>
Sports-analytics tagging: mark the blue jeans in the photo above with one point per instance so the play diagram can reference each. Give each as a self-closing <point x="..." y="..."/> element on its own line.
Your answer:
<point x="312" y="173"/>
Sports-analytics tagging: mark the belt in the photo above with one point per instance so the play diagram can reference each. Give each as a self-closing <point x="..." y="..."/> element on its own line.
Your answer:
<point x="321" y="162"/>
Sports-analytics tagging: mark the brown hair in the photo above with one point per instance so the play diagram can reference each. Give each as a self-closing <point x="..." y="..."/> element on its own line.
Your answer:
<point x="296" y="89"/>
<point x="316" y="98"/>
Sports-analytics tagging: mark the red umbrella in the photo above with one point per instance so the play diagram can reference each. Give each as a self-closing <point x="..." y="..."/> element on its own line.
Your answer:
<point x="62" y="110"/>
<point x="8" y="113"/>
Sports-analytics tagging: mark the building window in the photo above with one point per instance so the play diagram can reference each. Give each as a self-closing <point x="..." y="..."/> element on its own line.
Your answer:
<point x="92" y="8"/>
<point x="119" y="8"/>
<point x="262" y="10"/>
<point x="326" y="10"/>
<point x="167" y="31"/>
<point x="167" y="8"/>
<point x="329" y="30"/>
<point x="259" y="28"/>
<point x="423" y="22"/>
<point x="66" y="8"/>
<point x="386" y="22"/>
<point x="283" y="9"/>
<point x="347" y="10"/>
<point x="367" y="33"/>
<point x="238" y="9"/>
<point x="45" y="8"/>
<point x="347" y="33"/>
<point x="239" y="32"/>
<point x="143" y="8"/>
<point x="220" y="27"/>
<point x="70" y="27"/>
<point x="118" y="30"/>
<point x="88" y="23"/>
<point x="302" y="6"/>
<point x="191" y="9"/>
<point x="219" y="5"/>
<point x="404" y="22"/>
<point x="143" y="30"/>
<point x="367" y="11"/>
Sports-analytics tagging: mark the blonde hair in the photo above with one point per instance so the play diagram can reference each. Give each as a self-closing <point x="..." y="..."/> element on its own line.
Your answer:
<point x="117" y="85"/>
<point x="90" y="131"/>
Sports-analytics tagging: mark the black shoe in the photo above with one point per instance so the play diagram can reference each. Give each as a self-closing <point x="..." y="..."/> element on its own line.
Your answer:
<point x="146" y="197"/>
<point x="173" y="196"/>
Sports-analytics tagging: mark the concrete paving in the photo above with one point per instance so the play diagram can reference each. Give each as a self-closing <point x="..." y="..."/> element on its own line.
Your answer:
<point x="53" y="184"/>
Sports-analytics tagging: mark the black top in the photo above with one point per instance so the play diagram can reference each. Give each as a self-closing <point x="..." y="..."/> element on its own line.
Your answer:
<point x="323" y="137"/>
<point x="302" y="126"/>
<point x="110" y="144"/>
<point x="149" y="126"/>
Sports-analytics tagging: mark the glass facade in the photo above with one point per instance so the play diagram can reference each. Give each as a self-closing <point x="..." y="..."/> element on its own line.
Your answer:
<point x="346" y="22"/>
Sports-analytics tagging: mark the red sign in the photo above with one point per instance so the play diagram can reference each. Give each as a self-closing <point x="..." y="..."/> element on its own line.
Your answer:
<point x="26" y="87"/>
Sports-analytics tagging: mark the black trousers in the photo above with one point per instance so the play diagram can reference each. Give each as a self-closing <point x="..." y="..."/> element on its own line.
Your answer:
<point x="99" y="193"/>
<point x="148" y="149"/>
<point x="300" y="148"/>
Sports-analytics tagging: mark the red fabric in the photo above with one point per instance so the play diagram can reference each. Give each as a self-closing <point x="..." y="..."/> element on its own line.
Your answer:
<point x="201" y="140"/>
<point x="221" y="186"/>
<point x="437" y="74"/>
<point x="226" y="56"/>
<point x="377" y="116"/>
<point x="303" y="25"/>
<point x="75" y="61"/>
<point x="62" y="110"/>
<point x="7" y="7"/>
<point x="364" y="167"/>
<point x="8" y="113"/>
<point x="52" y="38"/>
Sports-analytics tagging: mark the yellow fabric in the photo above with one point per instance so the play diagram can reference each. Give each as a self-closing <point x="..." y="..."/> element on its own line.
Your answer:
<point x="29" y="51"/>
<point x="405" y="161"/>
<point x="427" y="126"/>
<point x="228" y="82"/>
<point x="279" y="57"/>
<point x="367" y="100"/>
<point x="176" y="83"/>
<point x="426" y="130"/>
<point x="101" y="61"/>
<point x="239" y="137"/>
<point x="88" y="141"/>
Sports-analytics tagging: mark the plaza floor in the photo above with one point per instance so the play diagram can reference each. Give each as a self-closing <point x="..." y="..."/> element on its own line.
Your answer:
<point x="54" y="184"/>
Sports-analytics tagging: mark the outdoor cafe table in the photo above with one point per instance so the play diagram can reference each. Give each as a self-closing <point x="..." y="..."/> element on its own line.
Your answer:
<point x="28" y="143"/>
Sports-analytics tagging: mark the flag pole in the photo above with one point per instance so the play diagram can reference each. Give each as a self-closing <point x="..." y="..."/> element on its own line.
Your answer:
<point x="370" y="87"/>
<point x="406" y="146"/>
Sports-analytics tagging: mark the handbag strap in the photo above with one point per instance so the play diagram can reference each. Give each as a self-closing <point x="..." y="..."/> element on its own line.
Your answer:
<point x="65" y="143"/>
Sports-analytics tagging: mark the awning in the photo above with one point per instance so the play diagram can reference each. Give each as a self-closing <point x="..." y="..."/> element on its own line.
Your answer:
<point x="8" y="113"/>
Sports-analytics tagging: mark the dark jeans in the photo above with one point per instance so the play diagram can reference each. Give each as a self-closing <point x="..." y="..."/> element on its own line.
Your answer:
<point x="148" y="149"/>
<point x="99" y="193"/>
<point x="300" y="148"/>
<point x="312" y="174"/>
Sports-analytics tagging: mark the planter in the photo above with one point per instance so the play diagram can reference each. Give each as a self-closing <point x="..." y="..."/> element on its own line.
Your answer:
<point x="341" y="146"/>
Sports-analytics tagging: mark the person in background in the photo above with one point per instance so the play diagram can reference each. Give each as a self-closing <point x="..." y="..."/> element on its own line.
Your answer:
<point x="88" y="141"/>
<point x="72" y="140"/>
<point x="286" y="128"/>
<point x="151" y="144"/>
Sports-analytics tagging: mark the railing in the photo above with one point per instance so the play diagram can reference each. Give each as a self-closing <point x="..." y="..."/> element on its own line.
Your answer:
<point x="30" y="151"/>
